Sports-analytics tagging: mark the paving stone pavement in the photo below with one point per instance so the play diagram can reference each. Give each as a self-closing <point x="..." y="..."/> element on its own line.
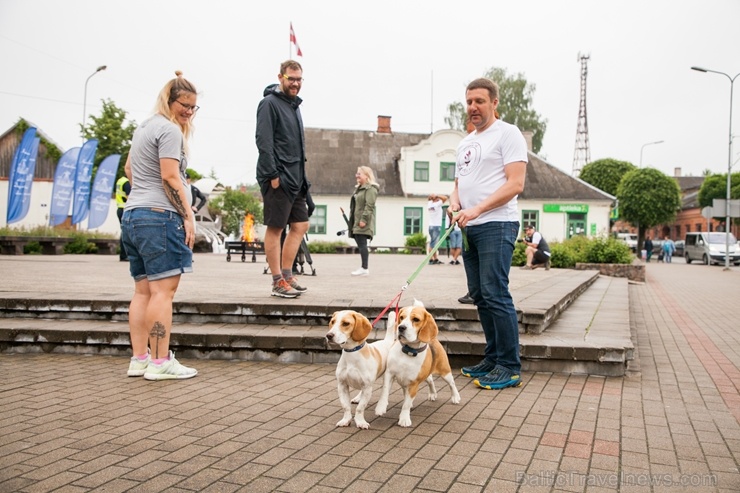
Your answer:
<point x="75" y="423"/>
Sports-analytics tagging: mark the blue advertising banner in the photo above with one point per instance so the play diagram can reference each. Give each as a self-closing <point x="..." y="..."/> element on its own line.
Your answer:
<point x="21" y="172"/>
<point x="80" y="206"/>
<point x="100" y="197"/>
<point x="63" y="189"/>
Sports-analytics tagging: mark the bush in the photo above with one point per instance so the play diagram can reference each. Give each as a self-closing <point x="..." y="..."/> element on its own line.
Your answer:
<point x="32" y="248"/>
<point x="562" y="256"/>
<point x="325" y="246"/>
<point x="520" y="256"/>
<point x="416" y="240"/>
<point x="79" y="245"/>
<point x="608" y="251"/>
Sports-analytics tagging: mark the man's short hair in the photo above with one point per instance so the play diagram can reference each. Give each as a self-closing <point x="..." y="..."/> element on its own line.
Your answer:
<point x="529" y="226"/>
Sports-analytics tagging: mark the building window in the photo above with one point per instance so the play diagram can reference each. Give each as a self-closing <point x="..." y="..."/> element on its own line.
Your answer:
<point x="678" y="231"/>
<point x="698" y="227"/>
<point x="411" y="220"/>
<point x="317" y="221"/>
<point x="446" y="171"/>
<point x="421" y="170"/>
<point x="530" y="217"/>
<point x="688" y="228"/>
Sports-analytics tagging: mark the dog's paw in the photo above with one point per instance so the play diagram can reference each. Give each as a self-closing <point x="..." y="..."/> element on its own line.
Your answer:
<point x="363" y="425"/>
<point x="404" y="421"/>
<point x="432" y="397"/>
<point x="343" y="422"/>
<point x="456" y="399"/>
<point x="381" y="408"/>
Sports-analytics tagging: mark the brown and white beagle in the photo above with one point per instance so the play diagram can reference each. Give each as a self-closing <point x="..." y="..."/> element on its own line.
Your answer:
<point x="415" y="357"/>
<point x="361" y="363"/>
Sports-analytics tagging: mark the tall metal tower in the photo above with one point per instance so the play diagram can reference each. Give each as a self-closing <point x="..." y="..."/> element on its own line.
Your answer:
<point x="582" y="154"/>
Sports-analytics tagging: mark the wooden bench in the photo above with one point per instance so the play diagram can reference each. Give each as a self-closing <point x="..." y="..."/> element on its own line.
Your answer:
<point x="50" y="245"/>
<point x="373" y="249"/>
<point x="106" y="246"/>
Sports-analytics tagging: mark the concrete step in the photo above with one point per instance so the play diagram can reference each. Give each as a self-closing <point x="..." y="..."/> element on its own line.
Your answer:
<point x="592" y="336"/>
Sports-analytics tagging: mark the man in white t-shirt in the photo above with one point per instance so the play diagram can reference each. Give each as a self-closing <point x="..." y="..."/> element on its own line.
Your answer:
<point x="490" y="174"/>
<point x="434" y="207"/>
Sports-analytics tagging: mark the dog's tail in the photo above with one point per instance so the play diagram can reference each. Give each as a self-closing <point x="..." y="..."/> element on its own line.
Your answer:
<point x="391" y="327"/>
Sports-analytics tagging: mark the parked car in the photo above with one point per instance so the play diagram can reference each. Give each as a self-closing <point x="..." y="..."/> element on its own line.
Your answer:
<point x="679" y="247"/>
<point x="630" y="239"/>
<point x="710" y="248"/>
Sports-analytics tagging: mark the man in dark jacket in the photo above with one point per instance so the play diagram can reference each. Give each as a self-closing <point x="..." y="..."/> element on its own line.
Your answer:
<point x="281" y="174"/>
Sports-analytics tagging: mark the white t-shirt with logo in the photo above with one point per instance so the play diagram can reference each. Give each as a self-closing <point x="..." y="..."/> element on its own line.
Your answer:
<point x="481" y="159"/>
<point x="435" y="212"/>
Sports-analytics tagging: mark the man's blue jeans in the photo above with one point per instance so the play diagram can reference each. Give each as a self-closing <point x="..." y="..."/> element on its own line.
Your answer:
<point x="487" y="264"/>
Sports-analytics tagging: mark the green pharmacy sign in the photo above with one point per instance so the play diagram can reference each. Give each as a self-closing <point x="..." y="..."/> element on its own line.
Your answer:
<point x="580" y="208"/>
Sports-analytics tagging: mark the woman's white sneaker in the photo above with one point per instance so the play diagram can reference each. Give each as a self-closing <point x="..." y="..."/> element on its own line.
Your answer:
<point x="169" y="370"/>
<point x="361" y="272"/>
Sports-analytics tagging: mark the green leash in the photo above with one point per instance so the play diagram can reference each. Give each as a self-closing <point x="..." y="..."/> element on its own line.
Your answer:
<point x="429" y="255"/>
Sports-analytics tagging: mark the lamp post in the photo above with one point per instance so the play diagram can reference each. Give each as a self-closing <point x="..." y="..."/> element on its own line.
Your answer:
<point x="84" y="101"/>
<point x="729" y="165"/>
<point x="648" y="144"/>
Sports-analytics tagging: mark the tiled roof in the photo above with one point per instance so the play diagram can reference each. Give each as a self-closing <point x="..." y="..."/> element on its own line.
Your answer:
<point x="547" y="182"/>
<point x="334" y="155"/>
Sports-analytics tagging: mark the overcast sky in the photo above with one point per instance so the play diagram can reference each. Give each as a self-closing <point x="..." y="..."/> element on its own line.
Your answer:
<point x="406" y="59"/>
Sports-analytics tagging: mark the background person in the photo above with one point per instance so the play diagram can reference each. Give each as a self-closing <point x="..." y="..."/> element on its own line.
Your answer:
<point x="434" y="206"/>
<point x="123" y="188"/>
<point x="669" y="248"/>
<point x="362" y="210"/>
<point x="538" y="251"/>
<point x="490" y="173"/>
<point x="198" y="197"/>
<point x="648" y="249"/>
<point x="455" y="244"/>
<point x="281" y="174"/>
<point x="159" y="228"/>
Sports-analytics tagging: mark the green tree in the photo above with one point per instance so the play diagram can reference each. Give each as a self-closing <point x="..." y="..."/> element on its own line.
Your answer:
<point x="232" y="206"/>
<point x="715" y="187"/>
<point x="648" y="197"/>
<point x="113" y="136"/>
<point x="193" y="175"/>
<point x="515" y="106"/>
<point x="605" y="174"/>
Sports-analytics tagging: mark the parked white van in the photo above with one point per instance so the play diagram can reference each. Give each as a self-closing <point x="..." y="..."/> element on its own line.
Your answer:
<point x="630" y="239"/>
<point x="709" y="248"/>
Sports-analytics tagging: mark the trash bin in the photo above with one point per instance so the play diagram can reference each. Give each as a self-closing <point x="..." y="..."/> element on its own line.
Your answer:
<point x="643" y="253"/>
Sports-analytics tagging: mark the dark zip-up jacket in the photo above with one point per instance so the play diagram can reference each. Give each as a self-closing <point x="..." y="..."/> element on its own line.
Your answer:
<point x="280" y="142"/>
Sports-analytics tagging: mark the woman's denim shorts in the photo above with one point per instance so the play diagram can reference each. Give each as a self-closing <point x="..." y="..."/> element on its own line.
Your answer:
<point x="154" y="240"/>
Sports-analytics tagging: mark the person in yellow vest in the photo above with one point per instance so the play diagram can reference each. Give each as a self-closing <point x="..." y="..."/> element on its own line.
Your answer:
<point x="123" y="188"/>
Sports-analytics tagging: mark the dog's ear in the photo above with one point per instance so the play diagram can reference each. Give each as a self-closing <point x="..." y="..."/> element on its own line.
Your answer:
<point x="362" y="327"/>
<point x="428" y="329"/>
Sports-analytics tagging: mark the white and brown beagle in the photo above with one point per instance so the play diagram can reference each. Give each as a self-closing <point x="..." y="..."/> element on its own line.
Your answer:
<point x="415" y="357"/>
<point x="361" y="363"/>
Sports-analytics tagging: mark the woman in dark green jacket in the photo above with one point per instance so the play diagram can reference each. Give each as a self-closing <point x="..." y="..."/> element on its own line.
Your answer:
<point x="362" y="207"/>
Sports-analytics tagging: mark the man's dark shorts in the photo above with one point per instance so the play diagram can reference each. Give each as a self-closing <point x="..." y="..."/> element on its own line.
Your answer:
<point x="540" y="258"/>
<point x="279" y="210"/>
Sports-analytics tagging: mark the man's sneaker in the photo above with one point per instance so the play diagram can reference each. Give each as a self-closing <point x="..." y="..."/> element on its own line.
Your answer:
<point x="526" y="267"/>
<point x="169" y="370"/>
<point x="499" y="378"/>
<point x="282" y="289"/>
<point x="137" y="367"/>
<point x="547" y="265"/>
<point x="361" y="272"/>
<point x="480" y="370"/>
<point x="467" y="299"/>
<point x="294" y="284"/>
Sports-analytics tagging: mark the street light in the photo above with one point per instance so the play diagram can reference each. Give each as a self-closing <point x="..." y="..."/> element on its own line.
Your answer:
<point x="729" y="165"/>
<point x="84" y="101"/>
<point x="648" y="144"/>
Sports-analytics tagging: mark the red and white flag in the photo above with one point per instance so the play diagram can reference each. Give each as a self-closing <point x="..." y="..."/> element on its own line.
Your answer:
<point x="294" y="41"/>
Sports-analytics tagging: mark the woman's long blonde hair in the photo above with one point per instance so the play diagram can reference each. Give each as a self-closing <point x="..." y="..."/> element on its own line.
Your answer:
<point x="368" y="171"/>
<point x="169" y="93"/>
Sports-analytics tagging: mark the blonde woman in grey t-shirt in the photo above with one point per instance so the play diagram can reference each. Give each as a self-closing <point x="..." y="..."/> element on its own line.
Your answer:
<point x="158" y="229"/>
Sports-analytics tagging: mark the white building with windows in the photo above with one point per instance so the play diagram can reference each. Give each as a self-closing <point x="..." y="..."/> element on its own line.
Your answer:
<point x="409" y="167"/>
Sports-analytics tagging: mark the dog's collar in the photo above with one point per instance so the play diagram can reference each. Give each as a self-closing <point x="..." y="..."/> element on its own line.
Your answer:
<point x="355" y="348"/>
<point x="413" y="351"/>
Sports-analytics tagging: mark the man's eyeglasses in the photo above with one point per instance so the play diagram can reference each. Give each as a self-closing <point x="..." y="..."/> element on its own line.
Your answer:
<point x="299" y="80"/>
<point x="189" y="107"/>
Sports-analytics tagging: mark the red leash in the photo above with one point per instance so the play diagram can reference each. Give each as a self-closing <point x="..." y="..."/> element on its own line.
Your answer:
<point x="397" y="299"/>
